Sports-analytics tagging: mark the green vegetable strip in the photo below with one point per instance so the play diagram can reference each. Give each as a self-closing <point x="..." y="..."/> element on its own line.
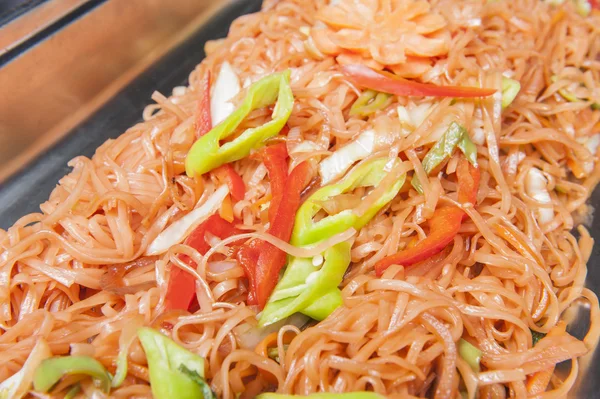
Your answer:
<point x="75" y="389"/>
<point x="207" y="153"/>
<point x="313" y="290"/>
<point x="467" y="147"/>
<point x="456" y="135"/>
<point x="369" y="174"/>
<point x="325" y="305"/>
<point x="326" y="278"/>
<point x="193" y="375"/>
<point x="170" y="366"/>
<point x="369" y="102"/>
<point x="470" y="354"/>
<point x="349" y="395"/>
<point x="52" y="370"/>
<point x="510" y="89"/>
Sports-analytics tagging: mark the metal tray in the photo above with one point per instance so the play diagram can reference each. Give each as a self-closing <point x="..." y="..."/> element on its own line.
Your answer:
<point x="24" y="191"/>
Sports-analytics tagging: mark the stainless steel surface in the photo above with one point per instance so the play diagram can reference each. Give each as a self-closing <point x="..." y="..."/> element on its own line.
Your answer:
<point x="55" y="85"/>
<point x="28" y="25"/>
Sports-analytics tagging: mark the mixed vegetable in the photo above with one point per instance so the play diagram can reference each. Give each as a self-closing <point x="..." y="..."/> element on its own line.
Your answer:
<point x="443" y="225"/>
<point x="263" y="261"/>
<point x="208" y="152"/>
<point x="307" y="285"/>
<point x="455" y="136"/>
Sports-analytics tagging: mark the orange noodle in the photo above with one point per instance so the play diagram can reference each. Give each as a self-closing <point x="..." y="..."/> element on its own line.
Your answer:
<point x="77" y="275"/>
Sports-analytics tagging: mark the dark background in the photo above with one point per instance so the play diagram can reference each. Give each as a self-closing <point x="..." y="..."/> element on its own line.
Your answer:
<point x="10" y="9"/>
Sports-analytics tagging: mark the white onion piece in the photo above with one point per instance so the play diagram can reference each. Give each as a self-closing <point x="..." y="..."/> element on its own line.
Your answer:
<point x="341" y="160"/>
<point x="249" y="336"/>
<point x="305" y="146"/>
<point x="179" y="135"/>
<point x="19" y="384"/>
<point x="225" y="88"/>
<point x="535" y="187"/>
<point x="404" y="117"/>
<point x="419" y="113"/>
<point x="179" y="230"/>
<point x="477" y="127"/>
<point x="591" y="143"/>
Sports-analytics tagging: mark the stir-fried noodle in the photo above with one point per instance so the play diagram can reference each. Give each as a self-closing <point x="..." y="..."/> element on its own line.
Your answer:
<point x="79" y="275"/>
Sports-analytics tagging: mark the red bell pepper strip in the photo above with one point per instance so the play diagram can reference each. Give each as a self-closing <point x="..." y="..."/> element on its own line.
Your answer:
<point x="204" y="121"/>
<point x="389" y="83"/>
<point x="247" y="256"/>
<point x="182" y="287"/>
<point x="226" y="174"/>
<point x="443" y="225"/>
<point x="272" y="259"/>
<point x="262" y="261"/>
<point x="595" y="4"/>
<point x="275" y="160"/>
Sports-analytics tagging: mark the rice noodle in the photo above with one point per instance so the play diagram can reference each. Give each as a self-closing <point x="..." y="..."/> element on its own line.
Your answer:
<point x="75" y="275"/>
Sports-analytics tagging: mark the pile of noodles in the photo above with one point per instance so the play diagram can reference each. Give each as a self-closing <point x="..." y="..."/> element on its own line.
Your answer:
<point x="75" y="274"/>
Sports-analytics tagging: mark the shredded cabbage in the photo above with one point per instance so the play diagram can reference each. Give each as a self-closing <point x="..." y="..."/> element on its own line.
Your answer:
<point x="176" y="232"/>
<point x="226" y="87"/>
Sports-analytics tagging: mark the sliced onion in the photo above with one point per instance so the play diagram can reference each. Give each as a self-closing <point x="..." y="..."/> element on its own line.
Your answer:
<point x="179" y="230"/>
<point x="19" y="384"/>
<point x="535" y="187"/>
<point x="226" y="87"/>
<point x="340" y="203"/>
<point x="341" y="160"/>
<point x="591" y="143"/>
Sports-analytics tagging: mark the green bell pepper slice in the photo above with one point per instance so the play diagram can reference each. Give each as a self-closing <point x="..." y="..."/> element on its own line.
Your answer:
<point x="53" y="369"/>
<point x="349" y="395"/>
<point x="306" y="231"/>
<point x="72" y="393"/>
<point x="175" y="372"/>
<point x="303" y="284"/>
<point x="510" y="89"/>
<point x="207" y="153"/>
<point x="369" y="102"/>
<point x="470" y="354"/>
<point x="313" y="290"/>
<point x="455" y="136"/>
